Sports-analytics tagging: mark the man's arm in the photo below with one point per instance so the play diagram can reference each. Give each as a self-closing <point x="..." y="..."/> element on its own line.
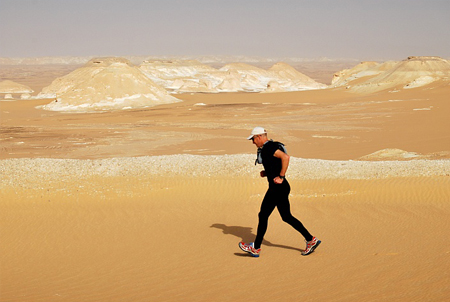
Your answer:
<point x="284" y="165"/>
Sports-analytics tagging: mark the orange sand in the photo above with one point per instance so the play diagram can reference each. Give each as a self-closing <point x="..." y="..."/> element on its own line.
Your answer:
<point x="172" y="239"/>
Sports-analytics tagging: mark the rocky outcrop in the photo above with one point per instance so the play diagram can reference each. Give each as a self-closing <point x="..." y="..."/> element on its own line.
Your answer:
<point x="410" y="73"/>
<point x="105" y="84"/>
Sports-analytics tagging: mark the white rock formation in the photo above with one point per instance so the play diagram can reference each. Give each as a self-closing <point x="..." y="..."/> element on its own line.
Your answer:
<point x="410" y="73"/>
<point x="291" y="79"/>
<point x="230" y="83"/>
<point x="251" y="77"/>
<point x="66" y="83"/>
<point x="201" y="85"/>
<point x="274" y="86"/>
<point x="8" y="86"/>
<point x="363" y="69"/>
<point x="173" y="75"/>
<point x="105" y="84"/>
<point x="180" y="76"/>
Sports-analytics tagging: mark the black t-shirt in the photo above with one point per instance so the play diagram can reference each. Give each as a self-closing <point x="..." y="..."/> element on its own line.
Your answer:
<point x="272" y="164"/>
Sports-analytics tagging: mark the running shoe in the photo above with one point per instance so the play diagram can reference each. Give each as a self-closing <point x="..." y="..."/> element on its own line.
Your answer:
<point x="249" y="249"/>
<point x="311" y="246"/>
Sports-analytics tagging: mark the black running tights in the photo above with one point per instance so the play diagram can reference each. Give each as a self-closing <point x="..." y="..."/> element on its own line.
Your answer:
<point x="278" y="196"/>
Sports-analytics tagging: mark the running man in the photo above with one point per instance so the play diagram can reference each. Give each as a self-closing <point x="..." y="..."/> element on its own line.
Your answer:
<point x="273" y="156"/>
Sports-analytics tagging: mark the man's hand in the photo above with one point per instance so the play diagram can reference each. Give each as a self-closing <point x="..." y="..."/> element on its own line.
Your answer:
<point x="278" y="180"/>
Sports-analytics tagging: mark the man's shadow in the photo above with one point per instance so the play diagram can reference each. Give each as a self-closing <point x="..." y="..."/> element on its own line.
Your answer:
<point x="246" y="235"/>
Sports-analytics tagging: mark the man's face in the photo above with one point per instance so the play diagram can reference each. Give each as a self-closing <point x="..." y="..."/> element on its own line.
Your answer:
<point x="257" y="140"/>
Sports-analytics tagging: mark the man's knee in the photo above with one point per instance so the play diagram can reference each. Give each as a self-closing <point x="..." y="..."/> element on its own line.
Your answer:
<point x="263" y="216"/>
<point x="287" y="218"/>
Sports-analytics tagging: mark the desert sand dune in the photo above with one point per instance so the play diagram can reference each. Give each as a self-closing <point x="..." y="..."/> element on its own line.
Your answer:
<point x="116" y="238"/>
<point x="149" y="204"/>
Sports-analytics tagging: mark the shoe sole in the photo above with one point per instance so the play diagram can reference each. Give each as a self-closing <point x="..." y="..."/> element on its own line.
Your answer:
<point x="251" y="254"/>
<point x="313" y="248"/>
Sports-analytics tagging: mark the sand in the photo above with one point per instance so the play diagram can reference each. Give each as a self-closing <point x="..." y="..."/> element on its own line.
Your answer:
<point x="149" y="205"/>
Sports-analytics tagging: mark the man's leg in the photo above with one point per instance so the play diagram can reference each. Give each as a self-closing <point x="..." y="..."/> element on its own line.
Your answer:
<point x="267" y="206"/>
<point x="284" y="208"/>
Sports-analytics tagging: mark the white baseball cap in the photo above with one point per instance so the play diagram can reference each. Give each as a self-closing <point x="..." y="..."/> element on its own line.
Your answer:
<point x="257" y="131"/>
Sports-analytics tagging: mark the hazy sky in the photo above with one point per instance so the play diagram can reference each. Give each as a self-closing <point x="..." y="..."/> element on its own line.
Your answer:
<point x="361" y="29"/>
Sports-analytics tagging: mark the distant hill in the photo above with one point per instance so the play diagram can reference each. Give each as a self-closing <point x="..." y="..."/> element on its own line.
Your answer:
<point x="369" y="77"/>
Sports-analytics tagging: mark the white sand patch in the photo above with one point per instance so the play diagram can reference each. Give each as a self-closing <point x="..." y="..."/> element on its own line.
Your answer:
<point x="423" y="109"/>
<point x="327" y="136"/>
<point x="420" y="81"/>
<point x="391" y="154"/>
<point x="26" y="171"/>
